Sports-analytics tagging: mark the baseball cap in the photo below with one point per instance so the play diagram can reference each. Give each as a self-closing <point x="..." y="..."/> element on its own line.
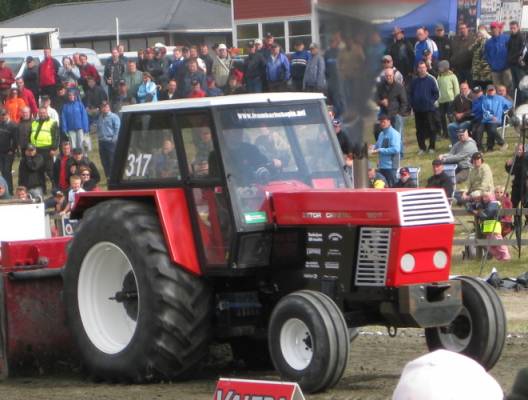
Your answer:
<point x="477" y="89"/>
<point x="77" y="150"/>
<point x="314" y="46"/>
<point x="446" y="375"/>
<point x="29" y="59"/>
<point x="490" y="87"/>
<point x="57" y="192"/>
<point x="122" y="82"/>
<point x="251" y="44"/>
<point x="461" y="131"/>
<point x="496" y="24"/>
<point x="437" y="162"/>
<point x="222" y="46"/>
<point x="31" y="146"/>
<point x="268" y="35"/>
<point x="405" y="170"/>
<point x="336" y="122"/>
<point x="439" y="26"/>
<point x="258" y="41"/>
<point x="383" y="117"/>
<point x="386" y="57"/>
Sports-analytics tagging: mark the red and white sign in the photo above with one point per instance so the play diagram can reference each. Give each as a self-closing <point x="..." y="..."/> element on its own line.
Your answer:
<point x="242" y="389"/>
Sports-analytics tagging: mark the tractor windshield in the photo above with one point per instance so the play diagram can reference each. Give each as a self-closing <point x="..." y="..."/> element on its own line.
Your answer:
<point x="272" y="146"/>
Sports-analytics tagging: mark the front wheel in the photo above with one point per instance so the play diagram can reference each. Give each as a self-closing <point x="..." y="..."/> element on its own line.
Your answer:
<point x="479" y="331"/>
<point x="308" y="340"/>
<point x="134" y="315"/>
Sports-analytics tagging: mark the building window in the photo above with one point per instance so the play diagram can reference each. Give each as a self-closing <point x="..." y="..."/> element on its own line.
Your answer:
<point x="299" y="31"/>
<point x="277" y="30"/>
<point x="152" y="40"/>
<point x="101" y="46"/>
<point x="137" y="43"/>
<point x="245" y="33"/>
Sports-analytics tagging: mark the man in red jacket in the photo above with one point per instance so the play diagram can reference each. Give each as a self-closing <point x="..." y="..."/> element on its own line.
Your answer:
<point x="27" y="95"/>
<point x="6" y="79"/>
<point x="48" y="75"/>
<point x="87" y="70"/>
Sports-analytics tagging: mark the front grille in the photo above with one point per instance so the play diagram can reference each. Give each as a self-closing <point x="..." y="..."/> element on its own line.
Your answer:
<point x="424" y="207"/>
<point x="373" y="256"/>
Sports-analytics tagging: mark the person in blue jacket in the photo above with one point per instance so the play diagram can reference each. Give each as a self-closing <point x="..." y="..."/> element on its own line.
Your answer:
<point x="476" y="113"/>
<point x="298" y="64"/>
<point x="493" y="109"/>
<point x="388" y="148"/>
<point x="74" y="119"/>
<point x="496" y="55"/>
<point x="424" y="95"/>
<point x="277" y="70"/>
<point x="423" y="42"/>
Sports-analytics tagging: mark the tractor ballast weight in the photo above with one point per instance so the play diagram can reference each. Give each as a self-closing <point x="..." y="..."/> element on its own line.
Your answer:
<point x="231" y="219"/>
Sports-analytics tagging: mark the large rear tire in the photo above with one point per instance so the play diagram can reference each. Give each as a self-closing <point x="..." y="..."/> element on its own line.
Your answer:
<point x="308" y="340"/>
<point x="479" y="331"/>
<point x="134" y="315"/>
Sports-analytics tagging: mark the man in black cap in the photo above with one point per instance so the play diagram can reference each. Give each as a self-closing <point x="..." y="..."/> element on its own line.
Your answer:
<point x="254" y="69"/>
<point x="31" y="76"/>
<point x="442" y="42"/>
<point x="440" y="179"/>
<point x="269" y="40"/>
<point x="405" y="180"/>
<point x="402" y="53"/>
<point x="31" y="172"/>
<point x="8" y="145"/>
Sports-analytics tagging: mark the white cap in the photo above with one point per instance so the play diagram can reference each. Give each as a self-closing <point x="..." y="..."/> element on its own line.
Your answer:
<point x="159" y="45"/>
<point x="443" y="375"/>
<point x="222" y="46"/>
<point x="258" y="41"/>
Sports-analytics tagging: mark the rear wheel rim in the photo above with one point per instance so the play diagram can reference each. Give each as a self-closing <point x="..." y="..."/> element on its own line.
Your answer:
<point x="108" y="297"/>
<point x="296" y="344"/>
<point x="457" y="335"/>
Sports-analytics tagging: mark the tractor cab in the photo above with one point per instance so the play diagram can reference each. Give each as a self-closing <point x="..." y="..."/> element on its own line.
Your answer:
<point x="228" y="158"/>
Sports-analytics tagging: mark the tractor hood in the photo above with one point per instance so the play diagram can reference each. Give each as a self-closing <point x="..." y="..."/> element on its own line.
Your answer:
<point x="372" y="207"/>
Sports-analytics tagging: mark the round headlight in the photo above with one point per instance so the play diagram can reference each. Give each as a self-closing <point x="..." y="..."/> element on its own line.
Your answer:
<point x="407" y="263"/>
<point x="440" y="259"/>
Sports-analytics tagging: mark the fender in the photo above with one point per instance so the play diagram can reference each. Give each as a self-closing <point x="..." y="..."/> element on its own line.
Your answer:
<point x="173" y="213"/>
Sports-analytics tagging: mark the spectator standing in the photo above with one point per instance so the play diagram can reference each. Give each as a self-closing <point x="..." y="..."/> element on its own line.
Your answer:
<point x="493" y="108"/>
<point x="277" y="70"/>
<point x="177" y="65"/>
<point x="462" y="105"/>
<point x="520" y="174"/>
<point x="147" y="91"/>
<point x="342" y="137"/>
<point x="423" y="42"/>
<point x="387" y="63"/>
<point x="449" y="88"/>
<point x="94" y="95"/>
<point x="69" y="73"/>
<point x="351" y="64"/>
<point x="254" y="69"/>
<point x="62" y="97"/>
<point x="443" y="42"/>
<point x="8" y="146"/>
<point x="52" y="113"/>
<point x="44" y="136"/>
<point x="26" y="95"/>
<point x="132" y="77"/>
<point x="298" y="62"/>
<point x="402" y="54"/>
<point x="74" y="120"/>
<point x="87" y="71"/>
<point x="314" y="77"/>
<point x="269" y="41"/>
<point x="440" y="179"/>
<point x="108" y="125"/>
<point x="157" y="67"/>
<point x="496" y="54"/>
<point x="388" y="148"/>
<point x="193" y="53"/>
<point x="61" y="167"/>
<point x="206" y="57"/>
<point x="461" y="54"/>
<point x="392" y="100"/>
<point x="424" y="94"/>
<point x="193" y="74"/>
<point x="6" y="79"/>
<point x="113" y="73"/>
<point x="48" y="75"/>
<point x="335" y="90"/>
<point x="222" y="64"/>
<point x="171" y="92"/>
<point x="31" y="76"/>
<point x="31" y="172"/>
<point x="124" y="97"/>
<point x="460" y="155"/>
<point x="516" y="48"/>
<point x="24" y="129"/>
<point x="14" y="105"/>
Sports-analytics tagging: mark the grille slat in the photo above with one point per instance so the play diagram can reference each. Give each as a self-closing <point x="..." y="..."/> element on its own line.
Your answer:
<point x="373" y="256"/>
<point x="424" y="207"/>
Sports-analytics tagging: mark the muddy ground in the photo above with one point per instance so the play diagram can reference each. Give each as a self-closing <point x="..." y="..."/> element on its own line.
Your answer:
<point x="375" y="363"/>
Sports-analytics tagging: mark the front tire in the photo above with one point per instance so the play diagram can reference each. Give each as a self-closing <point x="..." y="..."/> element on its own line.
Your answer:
<point x="308" y="340"/>
<point x="134" y="315"/>
<point x="479" y="331"/>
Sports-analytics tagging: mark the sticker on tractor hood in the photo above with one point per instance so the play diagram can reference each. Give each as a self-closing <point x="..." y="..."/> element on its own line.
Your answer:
<point x="255" y="217"/>
<point x="271" y="115"/>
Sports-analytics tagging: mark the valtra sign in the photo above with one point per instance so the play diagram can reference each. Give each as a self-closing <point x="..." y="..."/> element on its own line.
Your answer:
<point x="242" y="389"/>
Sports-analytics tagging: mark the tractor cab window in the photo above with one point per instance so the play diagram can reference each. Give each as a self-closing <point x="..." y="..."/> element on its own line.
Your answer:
<point x="267" y="146"/>
<point x="151" y="150"/>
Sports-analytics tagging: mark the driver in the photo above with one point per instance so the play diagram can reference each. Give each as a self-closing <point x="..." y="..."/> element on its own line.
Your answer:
<point x="247" y="162"/>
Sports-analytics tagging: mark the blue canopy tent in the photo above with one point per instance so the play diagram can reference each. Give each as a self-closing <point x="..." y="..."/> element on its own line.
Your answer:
<point x="428" y="15"/>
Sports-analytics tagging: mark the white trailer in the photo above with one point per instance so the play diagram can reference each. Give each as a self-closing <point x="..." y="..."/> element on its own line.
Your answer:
<point x="25" y="39"/>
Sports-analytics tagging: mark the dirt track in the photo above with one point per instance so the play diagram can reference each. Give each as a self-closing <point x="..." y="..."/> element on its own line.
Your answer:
<point x="374" y="366"/>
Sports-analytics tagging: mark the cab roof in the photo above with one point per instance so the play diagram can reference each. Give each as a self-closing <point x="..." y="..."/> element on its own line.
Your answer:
<point x="204" y="102"/>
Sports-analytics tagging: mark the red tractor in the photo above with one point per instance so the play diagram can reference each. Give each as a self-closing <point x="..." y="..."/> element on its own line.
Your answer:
<point x="231" y="219"/>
